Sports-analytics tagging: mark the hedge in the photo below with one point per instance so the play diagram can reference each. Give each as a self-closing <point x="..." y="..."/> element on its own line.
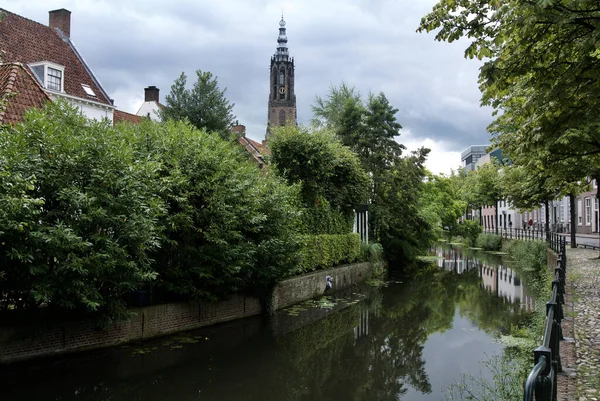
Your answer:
<point x="324" y="251"/>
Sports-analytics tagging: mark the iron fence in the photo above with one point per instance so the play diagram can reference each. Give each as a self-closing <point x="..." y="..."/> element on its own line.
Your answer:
<point x="542" y="381"/>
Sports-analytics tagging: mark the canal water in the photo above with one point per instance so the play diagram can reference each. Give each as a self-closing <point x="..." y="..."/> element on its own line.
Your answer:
<point x="399" y="339"/>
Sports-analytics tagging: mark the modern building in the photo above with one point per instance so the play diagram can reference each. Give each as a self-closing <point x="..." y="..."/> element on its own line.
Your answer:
<point x="282" y="97"/>
<point x="47" y="54"/>
<point x="471" y="155"/>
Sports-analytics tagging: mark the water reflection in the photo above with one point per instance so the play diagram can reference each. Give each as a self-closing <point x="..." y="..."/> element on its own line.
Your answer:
<point x="495" y="276"/>
<point x="407" y="340"/>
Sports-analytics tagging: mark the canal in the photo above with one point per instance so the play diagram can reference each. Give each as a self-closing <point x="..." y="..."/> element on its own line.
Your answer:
<point x="406" y="338"/>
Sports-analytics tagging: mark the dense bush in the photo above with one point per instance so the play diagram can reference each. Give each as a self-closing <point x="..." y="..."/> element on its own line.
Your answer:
<point x="328" y="250"/>
<point x="489" y="242"/>
<point x="229" y="227"/>
<point x="332" y="180"/>
<point x="469" y="230"/>
<point x="78" y="214"/>
<point x="90" y="212"/>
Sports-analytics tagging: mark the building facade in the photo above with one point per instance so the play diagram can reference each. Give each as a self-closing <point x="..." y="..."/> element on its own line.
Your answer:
<point x="49" y="55"/>
<point x="282" y="96"/>
<point x="471" y="155"/>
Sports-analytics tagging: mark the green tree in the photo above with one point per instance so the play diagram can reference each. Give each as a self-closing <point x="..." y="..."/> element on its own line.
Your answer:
<point x="369" y="127"/>
<point x="332" y="179"/>
<point x="204" y="105"/>
<point x="440" y="206"/>
<point x="541" y="72"/>
<point x="487" y="187"/>
<point x="230" y="227"/>
<point x="79" y="216"/>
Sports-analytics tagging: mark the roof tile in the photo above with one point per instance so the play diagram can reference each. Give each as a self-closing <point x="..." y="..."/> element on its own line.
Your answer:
<point x="25" y="41"/>
<point x="20" y="91"/>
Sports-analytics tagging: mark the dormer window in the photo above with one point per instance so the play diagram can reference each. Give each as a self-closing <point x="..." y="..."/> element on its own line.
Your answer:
<point x="54" y="79"/>
<point x="50" y="75"/>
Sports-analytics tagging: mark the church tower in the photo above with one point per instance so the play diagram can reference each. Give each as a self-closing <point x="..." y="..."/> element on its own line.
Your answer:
<point x="282" y="99"/>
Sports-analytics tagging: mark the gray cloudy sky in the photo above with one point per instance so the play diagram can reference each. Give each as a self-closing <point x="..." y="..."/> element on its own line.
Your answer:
<point x="369" y="44"/>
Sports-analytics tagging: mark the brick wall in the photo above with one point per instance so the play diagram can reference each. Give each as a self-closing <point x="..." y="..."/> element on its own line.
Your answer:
<point x="158" y="320"/>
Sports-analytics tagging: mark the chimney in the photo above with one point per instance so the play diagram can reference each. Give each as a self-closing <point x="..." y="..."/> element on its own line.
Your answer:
<point x="151" y="94"/>
<point x="61" y="19"/>
<point x="239" y="130"/>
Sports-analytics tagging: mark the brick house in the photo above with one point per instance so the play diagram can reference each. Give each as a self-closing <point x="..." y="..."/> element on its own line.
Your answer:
<point x="47" y="55"/>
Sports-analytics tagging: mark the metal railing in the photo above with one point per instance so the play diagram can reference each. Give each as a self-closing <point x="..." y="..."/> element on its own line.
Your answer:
<point x="519" y="233"/>
<point x="542" y="380"/>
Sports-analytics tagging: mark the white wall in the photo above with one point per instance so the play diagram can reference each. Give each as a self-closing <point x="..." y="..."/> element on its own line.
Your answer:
<point x="149" y="108"/>
<point x="91" y="110"/>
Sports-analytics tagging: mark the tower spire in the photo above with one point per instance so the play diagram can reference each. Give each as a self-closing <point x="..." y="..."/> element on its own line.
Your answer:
<point x="282" y="53"/>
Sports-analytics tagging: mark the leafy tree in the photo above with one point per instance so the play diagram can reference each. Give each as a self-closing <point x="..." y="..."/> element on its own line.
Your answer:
<point x="204" y="105"/>
<point x="78" y="218"/>
<point x="487" y="189"/>
<point x="230" y="227"/>
<point x="440" y="205"/>
<point x="369" y="127"/>
<point x="332" y="179"/>
<point x="541" y="71"/>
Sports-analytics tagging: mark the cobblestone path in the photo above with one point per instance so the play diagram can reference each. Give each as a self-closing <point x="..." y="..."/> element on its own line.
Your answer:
<point x="581" y="358"/>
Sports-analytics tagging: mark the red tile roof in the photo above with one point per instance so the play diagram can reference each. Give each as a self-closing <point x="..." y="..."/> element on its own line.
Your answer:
<point x="121" y="116"/>
<point x="20" y="91"/>
<point x="255" y="149"/>
<point x="259" y="146"/>
<point x="26" y="41"/>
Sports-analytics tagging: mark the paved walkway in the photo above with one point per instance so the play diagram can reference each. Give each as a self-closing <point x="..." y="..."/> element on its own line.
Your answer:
<point x="581" y="358"/>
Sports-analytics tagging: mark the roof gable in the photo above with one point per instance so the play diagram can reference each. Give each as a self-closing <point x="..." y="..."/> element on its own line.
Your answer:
<point x="20" y="91"/>
<point x="25" y="41"/>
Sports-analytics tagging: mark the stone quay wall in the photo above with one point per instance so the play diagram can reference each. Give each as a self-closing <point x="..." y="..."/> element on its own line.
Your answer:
<point x="19" y="343"/>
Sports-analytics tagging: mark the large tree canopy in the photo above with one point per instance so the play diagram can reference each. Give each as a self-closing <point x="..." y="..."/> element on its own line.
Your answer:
<point x="204" y="105"/>
<point x="542" y="72"/>
<point x="369" y="127"/>
<point x="332" y="178"/>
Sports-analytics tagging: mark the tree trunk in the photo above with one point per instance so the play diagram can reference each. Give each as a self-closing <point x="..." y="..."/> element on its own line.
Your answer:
<point x="547" y="225"/>
<point x="496" y="216"/>
<point x="573" y="222"/>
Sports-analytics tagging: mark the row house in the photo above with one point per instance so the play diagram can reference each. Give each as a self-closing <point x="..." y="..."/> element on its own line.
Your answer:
<point x="559" y="210"/>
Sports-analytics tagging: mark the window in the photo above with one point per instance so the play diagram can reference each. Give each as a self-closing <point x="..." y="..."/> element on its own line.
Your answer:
<point x="50" y="75"/>
<point x="88" y="90"/>
<point x="282" y="77"/>
<point x="54" y="80"/>
<point x="588" y="212"/>
<point x="579" y="217"/>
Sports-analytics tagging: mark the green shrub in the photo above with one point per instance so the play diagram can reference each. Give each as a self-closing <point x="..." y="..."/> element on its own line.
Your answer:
<point x="90" y="213"/>
<point x="324" y="251"/>
<point x="230" y="227"/>
<point x="78" y="214"/>
<point x="372" y="252"/>
<point x="469" y="230"/>
<point x="489" y="242"/>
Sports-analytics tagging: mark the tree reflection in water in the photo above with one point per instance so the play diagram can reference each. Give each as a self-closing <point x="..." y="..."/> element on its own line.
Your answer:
<point x="370" y="350"/>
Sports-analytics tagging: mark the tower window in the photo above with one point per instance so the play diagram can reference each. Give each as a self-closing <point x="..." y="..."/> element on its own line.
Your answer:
<point x="281" y="117"/>
<point x="282" y="77"/>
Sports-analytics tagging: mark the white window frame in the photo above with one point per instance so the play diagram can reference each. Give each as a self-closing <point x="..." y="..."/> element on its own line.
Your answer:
<point x="579" y="214"/>
<point x="47" y="65"/>
<point x="588" y="212"/>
